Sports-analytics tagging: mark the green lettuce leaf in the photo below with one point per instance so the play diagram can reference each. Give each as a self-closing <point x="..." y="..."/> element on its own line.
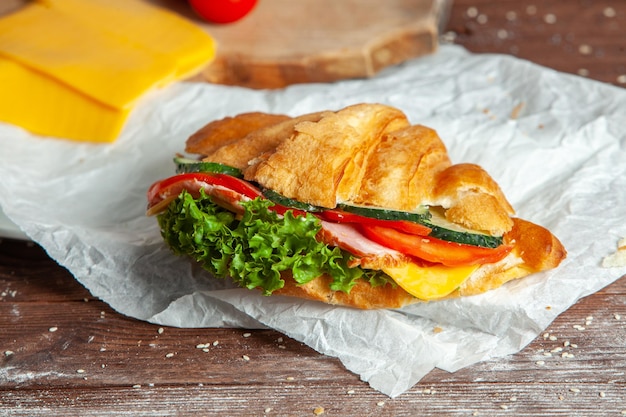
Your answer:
<point x="255" y="249"/>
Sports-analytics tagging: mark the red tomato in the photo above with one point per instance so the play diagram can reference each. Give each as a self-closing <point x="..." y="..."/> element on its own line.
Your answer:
<point x="434" y="250"/>
<point x="193" y="181"/>
<point x="222" y="11"/>
<point x="161" y="193"/>
<point x="340" y="216"/>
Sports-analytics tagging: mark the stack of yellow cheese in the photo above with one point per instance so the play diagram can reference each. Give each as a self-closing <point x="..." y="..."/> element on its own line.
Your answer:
<point x="75" y="68"/>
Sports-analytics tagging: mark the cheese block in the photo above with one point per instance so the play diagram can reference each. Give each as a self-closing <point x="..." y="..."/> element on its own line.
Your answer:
<point x="77" y="68"/>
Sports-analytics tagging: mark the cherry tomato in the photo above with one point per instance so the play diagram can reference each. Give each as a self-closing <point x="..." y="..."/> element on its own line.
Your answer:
<point x="222" y="11"/>
<point x="434" y="250"/>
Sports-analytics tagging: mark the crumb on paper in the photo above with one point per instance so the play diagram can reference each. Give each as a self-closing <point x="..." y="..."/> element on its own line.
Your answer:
<point x="437" y="329"/>
<point x="517" y="110"/>
<point x="618" y="258"/>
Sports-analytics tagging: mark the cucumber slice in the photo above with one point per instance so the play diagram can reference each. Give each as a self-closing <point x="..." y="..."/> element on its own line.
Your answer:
<point x="446" y="230"/>
<point x="421" y="216"/>
<point x="288" y="202"/>
<point x="432" y="217"/>
<point x="186" y="165"/>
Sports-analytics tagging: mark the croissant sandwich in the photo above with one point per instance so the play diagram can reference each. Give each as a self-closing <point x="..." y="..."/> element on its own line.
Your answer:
<point x="355" y="207"/>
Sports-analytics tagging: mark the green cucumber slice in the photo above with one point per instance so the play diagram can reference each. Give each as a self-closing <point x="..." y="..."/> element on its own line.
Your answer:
<point x="420" y="216"/>
<point x="288" y="202"/>
<point x="432" y="217"/>
<point x="186" y="165"/>
<point x="446" y="230"/>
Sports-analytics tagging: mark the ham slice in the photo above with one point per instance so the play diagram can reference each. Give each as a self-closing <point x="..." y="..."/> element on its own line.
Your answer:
<point x="369" y="254"/>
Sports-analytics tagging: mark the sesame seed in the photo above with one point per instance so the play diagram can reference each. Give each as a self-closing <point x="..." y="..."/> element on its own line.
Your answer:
<point x="504" y="406"/>
<point x="549" y="18"/>
<point x="247" y="334"/>
<point x="546" y="335"/>
<point x="216" y="343"/>
<point x="556" y="350"/>
<point x="553" y="338"/>
<point x="80" y="371"/>
<point x="540" y="362"/>
<point x="205" y="350"/>
<point x="589" y="318"/>
<point x="578" y="327"/>
<point x="8" y="352"/>
<point x="53" y="329"/>
<point x="585" y="49"/>
<point x="513" y="399"/>
<point x="279" y="340"/>
<point x="160" y="330"/>
<point x="169" y="355"/>
<point x="547" y="354"/>
<point x="201" y="346"/>
<point x="449" y="36"/>
<point x="576" y="390"/>
<point x="103" y="349"/>
<point x="566" y="343"/>
<point x="290" y="378"/>
<point x="267" y="410"/>
<point x="602" y="394"/>
<point x="380" y="403"/>
<point x="350" y="391"/>
<point x="609" y="12"/>
<point x="137" y="386"/>
<point x="246" y="357"/>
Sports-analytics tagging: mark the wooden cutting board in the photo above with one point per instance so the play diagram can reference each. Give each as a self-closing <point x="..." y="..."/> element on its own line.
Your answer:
<point x="283" y="42"/>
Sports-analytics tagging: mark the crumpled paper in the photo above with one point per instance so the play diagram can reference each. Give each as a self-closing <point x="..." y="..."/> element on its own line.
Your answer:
<point x="554" y="142"/>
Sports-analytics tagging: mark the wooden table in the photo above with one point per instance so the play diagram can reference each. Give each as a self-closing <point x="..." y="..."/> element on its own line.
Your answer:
<point x="62" y="352"/>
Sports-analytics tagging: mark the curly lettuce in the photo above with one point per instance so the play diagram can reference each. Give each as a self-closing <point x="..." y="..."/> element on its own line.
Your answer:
<point x="256" y="248"/>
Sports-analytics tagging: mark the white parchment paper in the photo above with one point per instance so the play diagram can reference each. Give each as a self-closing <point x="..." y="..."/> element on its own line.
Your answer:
<point x="555" y="143"/>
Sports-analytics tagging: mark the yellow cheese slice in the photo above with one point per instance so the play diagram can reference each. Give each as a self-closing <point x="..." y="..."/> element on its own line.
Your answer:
<point x="39" y="104"/>
<point x="74" y="68"/>
<point x="431" y="282"/>
<point x="167" y="33"/>
<point x="98" y="64"/>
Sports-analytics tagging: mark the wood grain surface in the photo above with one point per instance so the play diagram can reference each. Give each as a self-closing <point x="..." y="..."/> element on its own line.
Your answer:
<point x="64" y="353"/>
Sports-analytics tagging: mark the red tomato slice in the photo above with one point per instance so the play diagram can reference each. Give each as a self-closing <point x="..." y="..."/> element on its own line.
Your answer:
<point x="194" y="181"/>
<point x="171" y="187"/>
<point x="222" y="11"/>
<point x="340" y="216"/>
<point x="434" y="250"/>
